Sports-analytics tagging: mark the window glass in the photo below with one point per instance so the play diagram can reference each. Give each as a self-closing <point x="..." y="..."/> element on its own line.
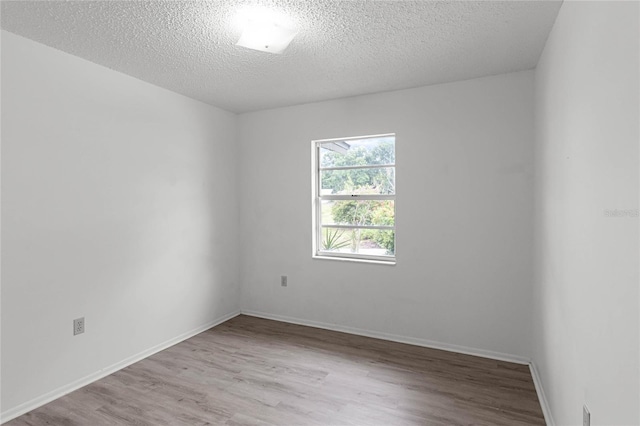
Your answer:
<point x="354" y="199"/>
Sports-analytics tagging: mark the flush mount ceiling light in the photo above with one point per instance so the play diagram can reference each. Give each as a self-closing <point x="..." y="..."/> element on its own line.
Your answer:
<point x="266" y="31"/>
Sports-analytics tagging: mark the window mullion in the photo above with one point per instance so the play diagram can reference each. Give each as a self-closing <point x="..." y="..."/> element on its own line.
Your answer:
<point x="368" y="166"/>
<point x="357" y="197"/>
<point x="380" y="227"/>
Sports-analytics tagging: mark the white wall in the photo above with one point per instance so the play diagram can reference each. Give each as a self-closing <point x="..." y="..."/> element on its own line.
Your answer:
<point x="586" y="268"/>
<point x="119" y="205"/>
<point x="464" y="202"/>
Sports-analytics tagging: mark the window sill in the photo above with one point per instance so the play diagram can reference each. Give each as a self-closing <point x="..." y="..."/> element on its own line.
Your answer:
<point x="356" y="260"/>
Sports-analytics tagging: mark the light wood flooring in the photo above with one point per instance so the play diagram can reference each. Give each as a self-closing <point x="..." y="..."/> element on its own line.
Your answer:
<point x="251" y="371"/>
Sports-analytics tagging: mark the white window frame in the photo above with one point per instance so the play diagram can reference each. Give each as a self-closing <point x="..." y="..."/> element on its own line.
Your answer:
<point x="317" y="206"/>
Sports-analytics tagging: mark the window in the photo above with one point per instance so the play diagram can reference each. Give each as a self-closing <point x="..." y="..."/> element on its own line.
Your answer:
<point x="354" y="203"/>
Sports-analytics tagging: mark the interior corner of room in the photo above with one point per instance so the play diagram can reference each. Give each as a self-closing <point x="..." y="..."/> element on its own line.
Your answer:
<point x="153" y="215"/>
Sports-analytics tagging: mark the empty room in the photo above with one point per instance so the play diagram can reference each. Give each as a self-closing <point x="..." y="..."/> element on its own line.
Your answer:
<point x="320" y="212"/>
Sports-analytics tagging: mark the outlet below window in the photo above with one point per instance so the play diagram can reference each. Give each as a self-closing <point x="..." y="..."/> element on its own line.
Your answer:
<point x="78" y="326"/>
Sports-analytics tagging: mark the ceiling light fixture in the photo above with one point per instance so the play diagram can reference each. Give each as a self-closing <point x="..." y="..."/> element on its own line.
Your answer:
<point x="265" y="31"/>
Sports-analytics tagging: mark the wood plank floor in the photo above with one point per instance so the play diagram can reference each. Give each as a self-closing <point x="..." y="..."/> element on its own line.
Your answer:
<point x="251" y="371"/>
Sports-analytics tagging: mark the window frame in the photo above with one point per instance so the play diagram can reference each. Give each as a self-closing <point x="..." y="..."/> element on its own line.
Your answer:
<point x="317" y="199"/>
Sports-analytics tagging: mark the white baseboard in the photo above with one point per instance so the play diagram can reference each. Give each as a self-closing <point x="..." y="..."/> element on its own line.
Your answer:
<point x="544" y="403"/>
<point x="25" y="407"/>
<point x="394" y="338"/>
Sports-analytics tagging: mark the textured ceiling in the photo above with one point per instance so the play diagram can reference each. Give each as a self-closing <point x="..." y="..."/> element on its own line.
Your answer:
<point x="343" y="48"/>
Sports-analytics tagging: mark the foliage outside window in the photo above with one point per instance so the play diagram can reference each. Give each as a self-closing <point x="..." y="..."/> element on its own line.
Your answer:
<point x="354" y="199"/>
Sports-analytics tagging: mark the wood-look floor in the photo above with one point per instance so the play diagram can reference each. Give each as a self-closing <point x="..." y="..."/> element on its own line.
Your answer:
<point x="251" y="371"/>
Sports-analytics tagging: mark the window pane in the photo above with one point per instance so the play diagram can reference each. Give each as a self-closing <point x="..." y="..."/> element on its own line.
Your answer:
<point x="358" y="181"/>
<point x="362" y="152"/>
<point x="361" y="212"/>
<point x="373" y="242"/>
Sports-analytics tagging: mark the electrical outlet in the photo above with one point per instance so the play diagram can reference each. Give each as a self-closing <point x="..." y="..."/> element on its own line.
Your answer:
<point x="283" y="280"/>
<point x="78" y="326"/>
<point x="586" y="416"/>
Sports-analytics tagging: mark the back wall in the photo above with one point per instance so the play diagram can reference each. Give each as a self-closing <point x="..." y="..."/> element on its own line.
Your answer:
<point x="464" y="221"/>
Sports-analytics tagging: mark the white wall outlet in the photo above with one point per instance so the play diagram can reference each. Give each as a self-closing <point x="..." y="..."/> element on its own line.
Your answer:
<point x="78" y="326"/>
<point x="283" y="280"/>
<point x="586" y="416"/>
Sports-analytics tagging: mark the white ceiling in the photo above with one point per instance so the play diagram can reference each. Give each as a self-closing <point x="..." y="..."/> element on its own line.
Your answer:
<point x="344" y="48"/>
